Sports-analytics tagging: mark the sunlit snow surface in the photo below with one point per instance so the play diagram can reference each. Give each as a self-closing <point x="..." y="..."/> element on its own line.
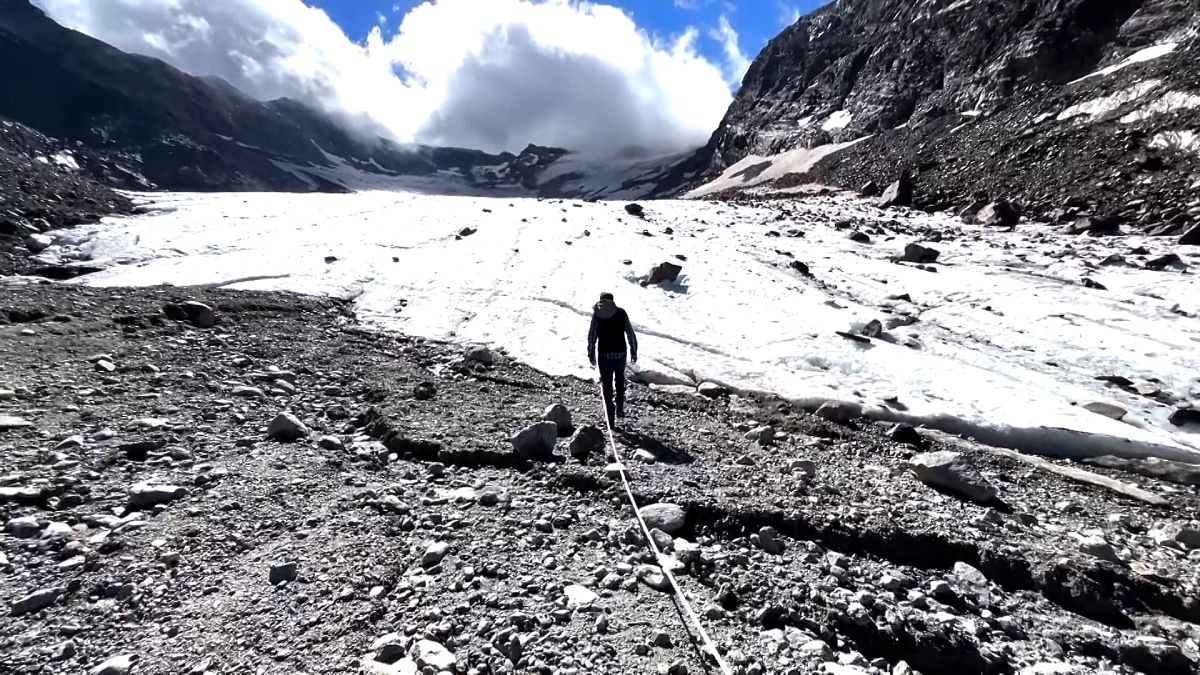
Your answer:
<point x="1010" y="342"/>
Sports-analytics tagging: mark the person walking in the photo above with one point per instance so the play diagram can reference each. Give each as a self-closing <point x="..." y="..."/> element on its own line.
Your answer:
<point x="611" y="328"/>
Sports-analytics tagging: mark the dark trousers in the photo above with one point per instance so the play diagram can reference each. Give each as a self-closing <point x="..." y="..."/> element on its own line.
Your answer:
<point x="612" y="375"/>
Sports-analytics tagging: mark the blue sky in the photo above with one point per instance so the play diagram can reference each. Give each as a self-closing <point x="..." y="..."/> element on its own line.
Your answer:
<point x="756" y="21"/>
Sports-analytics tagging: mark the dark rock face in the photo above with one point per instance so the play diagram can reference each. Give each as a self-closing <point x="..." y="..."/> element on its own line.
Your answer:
<point x="980" y="98"/>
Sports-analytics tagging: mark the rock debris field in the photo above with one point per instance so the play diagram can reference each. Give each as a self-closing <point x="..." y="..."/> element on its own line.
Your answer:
<point x="212" y="481"/>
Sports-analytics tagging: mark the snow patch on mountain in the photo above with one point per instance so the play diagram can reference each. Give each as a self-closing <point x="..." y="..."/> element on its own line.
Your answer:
<point x="754" y="170"/>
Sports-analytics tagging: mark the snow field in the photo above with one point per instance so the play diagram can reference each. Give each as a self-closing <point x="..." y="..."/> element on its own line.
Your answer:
<point x="1008" y="343"/>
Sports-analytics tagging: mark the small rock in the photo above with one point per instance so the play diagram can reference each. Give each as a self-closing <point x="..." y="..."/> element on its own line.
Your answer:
<point x="768" y="540"/>
<point x="711" y="390"/>
<point x="899" y="193"/>
<point x="998" y="214"/>
<point x="199" y="314"/>
<point x="837" y="411"/>
<point x="9" y="422"/>
<point x="536" y="442"/>
<point x="430" y="654"/>
<point x="481" y="355"/>
<point x="559" y="415"/>
<point x="951" y="471"/>
<point x="906" y="434"/>
<point x="1107" y="409"/>
<point x="37" y="600"/>
<point x="145" y="495"/>
<point x="425" y="391"/>
<point x="869" y="189"/>
<point x="1097" y="547"/>
<point x="667" y="517"/>
<point x="117" y="665"/>
<point x="281" y="572"/>
<point x="922" y="255"/>
<point x="635" y="210"/>
<point x="661" y="272"/>
<point x="764" y="435"/>
<point x="1185" y="416"/>
<point x="587" y="440"/>
<point x="434" y="554"/>
<point x="1191" y="237"/>
<point x="579" y="596"/>
<point x="330" y="443"/>
<point x="286" y="428"/>
<point x="23" y="527"/>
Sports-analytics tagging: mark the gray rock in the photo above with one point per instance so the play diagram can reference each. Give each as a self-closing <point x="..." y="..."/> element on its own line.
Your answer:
<point x="248" y="392"/>
<point x="561" y="417"/>
<point x="117" y="665"/>
<point x="666" y="517"/>
<point x="1191" y="237"/>
<point x="998" y="214"/>
<point x="330" y="443"/>
<point x="286" y="428"/>
<point x="481" y="355"/>
<point x="1097" y="547"/>
<point x="281" y="572"/>
<point x="970" y="581"/>
<point x="145" y="495"/>
<point x="768" y="540"/>
<point x="39" y="599"/>
<point x="953" y="472"/>
<point x="839" y="412"/>
<point x="199" y="314"/>
<point x="23" y="527"/>
<point x="712" y="390"/>
<point x="1176" y="534"/>
<point x="434" y="554"/>
<point x="661" y="272"/>
<point x="1107" y="409"/>
<point x="430" y="654"/>
<point x="425" y="391"/>
<point x="536" y="442"/>
<point x="588" y="440"/>
<point x="10" y="422"/>
<point x="1188" y="416"/>
<point x="653" y="576"/>
<point x="764" y="435"/>
<point x="899" y="193"/>
<point x="922" y="255"/>
<point x="662" y="540"/>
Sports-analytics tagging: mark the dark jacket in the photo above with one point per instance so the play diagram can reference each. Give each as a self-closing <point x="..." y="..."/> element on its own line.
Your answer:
<point x="610" y="328"/>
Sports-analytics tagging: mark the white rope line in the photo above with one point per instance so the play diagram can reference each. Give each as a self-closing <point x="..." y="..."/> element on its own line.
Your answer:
<point x="663" y="560"/>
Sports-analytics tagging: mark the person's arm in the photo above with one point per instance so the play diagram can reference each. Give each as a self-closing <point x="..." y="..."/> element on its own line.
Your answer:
<point x="592" y="342"/>
<point x="632" y="338"/>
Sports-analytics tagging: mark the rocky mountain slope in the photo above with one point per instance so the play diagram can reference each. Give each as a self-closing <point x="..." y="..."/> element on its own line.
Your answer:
<point x="1078" y="105"/>
<point x="157" y="127"/>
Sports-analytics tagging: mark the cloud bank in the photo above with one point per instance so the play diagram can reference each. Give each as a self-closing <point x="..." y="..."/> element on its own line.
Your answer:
<point x="488" y="74"/>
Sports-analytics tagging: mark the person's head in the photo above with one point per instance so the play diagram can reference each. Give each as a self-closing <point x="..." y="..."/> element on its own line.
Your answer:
<point x="606" y="297"/>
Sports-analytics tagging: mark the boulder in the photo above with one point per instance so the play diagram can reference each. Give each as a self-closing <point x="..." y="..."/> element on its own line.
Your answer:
<point x="1163" y="262"/>
<point x="970" y="212"/>
<point x="1191" y="237"/>
<point x="286" y="428"/>
<point x="481" y="355"/>
<point x="999" y="213"/>
<point x="561" y="417"/>
<point x="1097" y="226"/>
<point x="800" y="267"/>
<point x="1185" y="416"/>
<point x="536" y="442"/>
<point x="899" y="193"/>
<point x="837" y="411"/>
<point x="1107" y="409"/>
<point x="869" y="189"/>
<point x="39" y="599"/>
<point x="36" y="243"/>
<point x="425" y="391"/>
<point x="635" y="210"/>
<point x="712" y="390"/>
<point x="430" y="654"/>
<point x="952" y="472"/>
<point x="281" y="572"/>
<point x="922" y="255"/>
<point x="199" y="314"/>
<point x="661" y="272"/>
<point x="146" y="495"/>
<point x="906" y="434"/>
<point x="587" y="441"/>
<point x="666" y="517"/>
<point x="859" y="237"/>
<point x="117" y="665"/>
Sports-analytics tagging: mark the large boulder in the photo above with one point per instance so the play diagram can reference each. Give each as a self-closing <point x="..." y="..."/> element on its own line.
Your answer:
<point x="1186" y="416"/>
<point x="666" y="517"/>
<point x="1097" y="226"/>
<point x="899" y="193"/>
<point x="635" y="210"/>
<point x="536" y="442"/>
<point x="1191" y="237"/>
<point x="661" y="272"/>
<point x="999" y="213"/>
<point x="952" y="472"/>
<point x="916" y="253"/>
<point x="587" y="440"/>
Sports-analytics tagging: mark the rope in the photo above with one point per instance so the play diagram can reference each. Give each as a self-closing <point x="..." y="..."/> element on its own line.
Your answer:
<point x="663" y="560"/>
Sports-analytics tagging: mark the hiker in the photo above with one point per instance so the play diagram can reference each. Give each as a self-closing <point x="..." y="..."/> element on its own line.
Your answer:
<point x="610" y="327"/>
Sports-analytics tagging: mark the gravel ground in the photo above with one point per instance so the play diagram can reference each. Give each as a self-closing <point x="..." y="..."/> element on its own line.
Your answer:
<point x="152" y="526"/>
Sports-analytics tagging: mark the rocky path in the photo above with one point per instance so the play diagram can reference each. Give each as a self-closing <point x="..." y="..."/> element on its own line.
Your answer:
<point x="159" y="516"/>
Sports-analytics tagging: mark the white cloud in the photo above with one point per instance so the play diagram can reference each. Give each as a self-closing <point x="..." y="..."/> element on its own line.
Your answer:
<point x="736" y="61"/>
<point x="788" y="14"/>
<point x="491" y="74"/>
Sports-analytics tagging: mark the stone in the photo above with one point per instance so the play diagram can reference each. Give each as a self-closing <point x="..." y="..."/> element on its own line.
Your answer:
<point x="560" y="416"/>
<point x="653" y="576"/>
<point x="951" y="471"/>
<point x="764" y="435"/>
<point x="859" y="237"/>
<point x="669" y="518"/>
<point x="667" y="271"/>
<point x="579" y="596"/>
<point x="281" y="572"/>
<point x="1097" y="547"/>
<point x="1191" y="237"/>
<point x="999" y="213"/>
<point x="869" y="189"/>
<point x="804" y="466"/>
<point x="1163" y="262"/>
<point x="712" y="390"/>
<point x="899" y="193"/>
<point x="635" y="210"/>
<point x="969" y="580"/>
<point x="425" y="391"/>
<point x="430" y="654"/>
<point x="1176" y="534"/>
<point x="768" y="540"/>
<point x="434" y="554"/>
<point x="536" y="442"/>
<point x="10" y="422"/>
<point x="199" y="314"/>
<point x="480" y="355"/>
<point x="1185" y="416"/>
<point x="330" y="443"/>
<point x="837" y="411"/>
<point x="117" y="665"/>
<point x="922" y="255"/>
<point x="906" y="434"/>
<point x="145" y="495"/>
<point x="588" y="440"/>
<point x="286" y="428"/>
<point x="1106" y="409"/>
<point x="37" y="600"/>
<point x="1096" y="226"/>
<point x="23" y="527"/>
<point x="248" y="392"/>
